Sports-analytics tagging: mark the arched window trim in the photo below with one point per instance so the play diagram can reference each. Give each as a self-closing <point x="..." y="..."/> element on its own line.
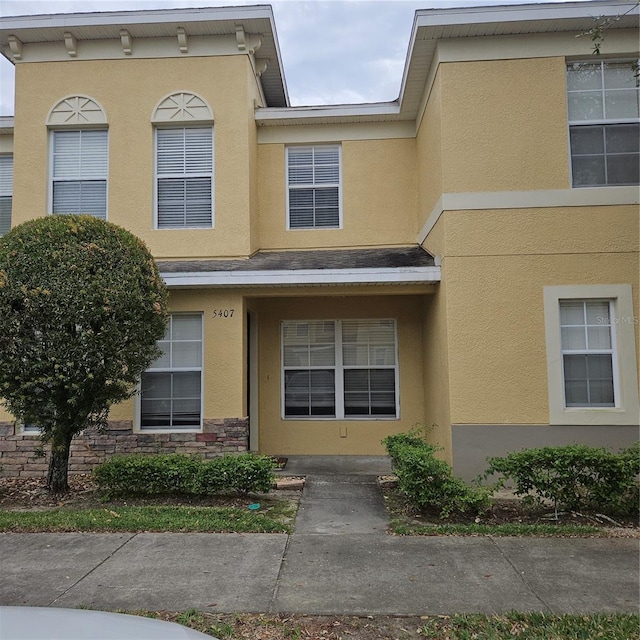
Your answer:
<point x="76" y="111"/>
<point x="182" y="107"/>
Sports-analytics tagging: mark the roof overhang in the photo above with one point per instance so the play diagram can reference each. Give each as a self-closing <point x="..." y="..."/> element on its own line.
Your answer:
<point x="162" y="23"/>
<point x="432" y="26"/>
<point x="302" y="277"/>
<point x="326" y="267"/>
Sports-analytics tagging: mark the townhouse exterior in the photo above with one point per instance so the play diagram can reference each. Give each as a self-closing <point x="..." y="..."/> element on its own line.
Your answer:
<point x="464" y="257"/>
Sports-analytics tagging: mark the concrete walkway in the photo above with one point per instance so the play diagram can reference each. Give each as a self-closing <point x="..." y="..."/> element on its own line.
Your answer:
<point x="339" y="560"/>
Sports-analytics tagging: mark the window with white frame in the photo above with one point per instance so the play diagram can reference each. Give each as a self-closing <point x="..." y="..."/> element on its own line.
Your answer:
<point x="184" y="168"/>
<point x="313" y="187"/>
<point x="604" y="123"/>
<point x="79" y="172"/>
<point x="171" y="389"/>
<point x="6" y="193"/>
<point x="591" y="354"/>
<point x="587" y="353"/>
<point x="340" y="369"/>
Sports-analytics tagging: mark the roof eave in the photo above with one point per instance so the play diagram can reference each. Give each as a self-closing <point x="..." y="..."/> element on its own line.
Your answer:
<point x="303" y="277"/>
<point x="430" y="20"/>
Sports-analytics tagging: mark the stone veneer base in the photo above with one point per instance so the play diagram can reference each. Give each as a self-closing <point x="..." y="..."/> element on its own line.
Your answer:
<point x="218" y="437"/>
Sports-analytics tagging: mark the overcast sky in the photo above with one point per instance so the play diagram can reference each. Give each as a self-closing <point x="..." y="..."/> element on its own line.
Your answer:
<point x="333" y="51"/>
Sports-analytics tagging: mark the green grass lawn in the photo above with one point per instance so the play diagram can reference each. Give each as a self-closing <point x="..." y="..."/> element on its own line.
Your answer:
<point x="274" y="519"/>
<point x="513" y="625"/>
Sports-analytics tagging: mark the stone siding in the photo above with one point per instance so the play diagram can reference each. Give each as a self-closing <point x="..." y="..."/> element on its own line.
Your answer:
<point x="19" y="457"/>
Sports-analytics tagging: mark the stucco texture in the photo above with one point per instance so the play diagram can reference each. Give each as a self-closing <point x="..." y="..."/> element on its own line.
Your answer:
<point x="505" y="125"/>
<point x="378" y="197"/>
<point x="222" y="81"/>
<point x="496" y="330"/>
<point x="337" y="437"/>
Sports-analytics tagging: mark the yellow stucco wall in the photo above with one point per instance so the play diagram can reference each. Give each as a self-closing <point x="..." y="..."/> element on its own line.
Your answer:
<point x="129" y="90"/>
<point x="429" y="152"/>
<point x="496" y="265"/>
<point x="435" y="343"/>
<point x="378" y="197"/>
<point x="224" y="355"/>
<point x="278" y="436"/>
<point x="504" y="125"/>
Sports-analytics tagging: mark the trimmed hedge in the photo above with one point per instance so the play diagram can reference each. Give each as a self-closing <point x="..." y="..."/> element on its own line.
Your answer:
<point x="182" y="474"/>
<point x="428" y="482"/>
<point x="574" y="477"/>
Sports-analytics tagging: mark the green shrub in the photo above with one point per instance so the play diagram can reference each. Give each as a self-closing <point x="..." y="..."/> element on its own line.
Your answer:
<point x="147" y="474"/>
<point x="574" y="477"/>
<point x="428" y="482"/>
<point x="245" y="473"/>
<point x="249" y="473"/>
<point x="182" y="474"/>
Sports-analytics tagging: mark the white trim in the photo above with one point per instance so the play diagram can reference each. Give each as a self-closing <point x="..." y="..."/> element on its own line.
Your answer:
<point x="301" y="277"/>
<point x="543" y="199"/>
<point x="181" y="125"/>
<point x="372" y="109"/>
<point x="328" y="132"/>
<point x="50" y="169"/>
<point x="627" y="409"/>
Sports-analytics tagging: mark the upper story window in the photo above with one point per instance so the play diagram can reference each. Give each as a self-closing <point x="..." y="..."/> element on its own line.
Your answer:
<point x="184" y="163"/>
<point x="185" y="177"/>
<point x="79" y="180"/>
<point x="79" y="157"/>
<point x="6" y="193"/>
<point x="313" y="187"/>
<point x="604" y="123"/>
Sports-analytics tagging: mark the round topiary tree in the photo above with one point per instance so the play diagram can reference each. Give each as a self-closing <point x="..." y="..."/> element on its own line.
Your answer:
<point x="82" y="305"/>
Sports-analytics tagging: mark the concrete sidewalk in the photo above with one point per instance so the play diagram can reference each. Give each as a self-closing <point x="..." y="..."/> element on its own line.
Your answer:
<point x="339" y="560"/>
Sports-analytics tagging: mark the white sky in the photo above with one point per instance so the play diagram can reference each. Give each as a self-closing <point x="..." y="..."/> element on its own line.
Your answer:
<point x="333" y="51"/>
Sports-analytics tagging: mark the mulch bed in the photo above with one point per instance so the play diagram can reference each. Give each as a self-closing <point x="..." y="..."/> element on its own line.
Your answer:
<point x="31" y="493"/>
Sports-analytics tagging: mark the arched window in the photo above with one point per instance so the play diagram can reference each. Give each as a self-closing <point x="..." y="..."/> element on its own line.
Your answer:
<point x="79" y="157"/>
<point x="184" y="192"/>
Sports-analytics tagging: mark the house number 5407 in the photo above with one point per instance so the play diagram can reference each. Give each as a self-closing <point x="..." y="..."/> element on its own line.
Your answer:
<point x="222" y="313"/>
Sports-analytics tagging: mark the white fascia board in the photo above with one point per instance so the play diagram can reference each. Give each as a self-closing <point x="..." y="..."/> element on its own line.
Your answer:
<point x="145" y="16"/>
<point x="328" y="111"/>
<point x="301" y="277"/>
<point x="522" y="13"/>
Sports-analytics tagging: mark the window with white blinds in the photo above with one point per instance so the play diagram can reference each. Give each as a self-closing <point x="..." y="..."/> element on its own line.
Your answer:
<point x="604" y="123"/>
<point x="6" y="193"/>
<point x="184" y="167"/>
<point x="79" y="175"/>
<point x="313" y="180"/>
<point x="171" y="394"/>
<point x="340" y="369"/>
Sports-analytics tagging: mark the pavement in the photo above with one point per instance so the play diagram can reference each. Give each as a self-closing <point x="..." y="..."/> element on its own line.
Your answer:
<point x="339" y="560"/>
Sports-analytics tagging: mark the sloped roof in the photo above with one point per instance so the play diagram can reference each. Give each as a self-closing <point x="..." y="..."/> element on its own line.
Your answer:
<point x="398" y="265"/>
